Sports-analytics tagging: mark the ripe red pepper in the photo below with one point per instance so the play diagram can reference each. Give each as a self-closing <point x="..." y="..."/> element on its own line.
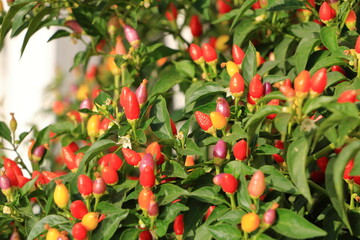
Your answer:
<point x="317" y="176"/>
<point x="347" y="96"/>
<point x="110" y="175"/>
<point x="227" y="181"/>
<point x="144" y="198"/>
<point x="79" y="232"/>
<point x="123" y="94"/>
<point x="302" y="83"/>
<point x="347" y="170"/>
<point x="288" y="92"/>
<point x="318" y="82"/>
<point x="49" y="176"/>
<point x="78" y="209"/>
<point x="209" y="53"/>
<point x="257" y="185"/>
<point x="179" y="225"/>
<point x="208" y="212"/>
<point x="273" y="102"/>
<point x="147" y="177"/>
<point x="339" y="69"/>
<point x="40" y="180"/>
<point x="240" y="150"/>
<point x="237" y="85"/>
<point x="357" y="45"/>
<point x="22" y="181"/>
<point x="256" y="88"/>
<point x="171" y="12"/>
<point x="85" y="185"/>
<point x="132" y="107"/>
<point x="237" y="54"/>
<point x="351" y="21"/>
<point x="131" y="157"/>
<point x="322" y="163"/>
<point x="74" y="25"/>
<point x="223" y="6"/>
<point x="326" y="13"/>
<point x="196" y="53"/>
<point x="8" y="163"/>
<point x="278" y="158"/>
<point x="69" y="156"/>
<point x="196" y="26"/>
<point x="173" y="127"/>
<point x="155" y="150"/>
<point x="204" y="121"/>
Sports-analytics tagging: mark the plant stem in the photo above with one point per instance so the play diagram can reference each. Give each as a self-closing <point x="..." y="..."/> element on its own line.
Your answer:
<point x="232" y="201"/>
<point x="317" y="187"/>
<point x="87" y="202"/>
<point x="352" y="201"/>
<point x="237" y="99"/>
<point x="323" y="152"/>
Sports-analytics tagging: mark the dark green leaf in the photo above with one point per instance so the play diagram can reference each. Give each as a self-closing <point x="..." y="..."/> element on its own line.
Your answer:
<point x="130" y="234"/>
<point x="249" y="64"/>
<point x="186" y="67"/>
<point x="296" y="159"/>
<point x="232" y="217"/>
<point x="173" y="169"/>
<point x="303" y="51"/>
<point x="161" y="123"/>
<point x="334" y="77"/>
<point x="243" y="9"/>
<point x="52" y="220"/>
<point x="329" y="38"/>
<point x="79" y="58"/>
<point x="276" y="180"/>
<point x="274" y="78"/>
<point x="281" y="123"/>
<point x="203" y="90"/>
<point x="242" y="30"/>
<point x="208" y="195"/>
<point x="271" y="96"/>
<point x="267" y="150"/>
<point x="169" y="192"/>
<point x="224" y="231"/>
<point x="62" y="127"/>
<point x="59" y="34"/>
<point x="28" y="186"/>
<point x="166" y="81"/>
<point x="292" y="225"/>
<point x="327" y="62"/>
<point x="191" y="148"/>
<point x="194" y="176"/>
<point x="5" y="132"/>
<point x="315" y="103"/>
<point x="277" y="5"/>
<point x="306" y="30"/>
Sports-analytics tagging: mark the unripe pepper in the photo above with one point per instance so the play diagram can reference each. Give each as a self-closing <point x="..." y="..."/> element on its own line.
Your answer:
<point x="250" y="222"/>
<point x="326" y="13"/>
<point x="222" y="106"/>
<point x="237" y="54"/>
<point x="147" y="177"/>
<point x="141" y="92"/>
<point x="155" y="150"/>
<point x="196" y="53"/>
<point x="237" y="85"/>
<point x="144" y="198"/>
<point x="179" y="226"/>
<point x="196" y="26"/>
<point x="131" y="157"/>
<point x="131" y="36"/>
<point x="110" y="62"/>
<point x="231" y="68"/>
<point x="61" y="194"/>
<point x="79" y="232"/>
<point x="219" y="152"/>
<point x="110" y="175"/>
<point x="90" y="220"/>
<point x="218" y="120"/>
<point x="113" y="26"/>
<point x="318" y="82"/>
<point x="99" y="186"/>
<point x="5" y="185"/>
<point x="257" y="185"/>
<point x="147" y="161"/>
<point x="78" y="209"/>
<point x="52" y="233"/>
<point x="256" y="88"/>
<point x="93" y="126"/>
<point x="302" y="84"/>
<point x="85" y="185"/>
<point x="132" y="107"/>
<point x="240" y="150"/>
<point x="204" y="122"/>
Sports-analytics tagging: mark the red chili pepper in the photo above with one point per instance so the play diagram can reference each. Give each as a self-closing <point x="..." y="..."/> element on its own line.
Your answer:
<point x="69" y="156"/>
<point x="351" y="21"/>
<point x="179" y="225"/>
<point x="357" y="45"/>
<point x="144" y="198"/>
<point x="131" y="157"/>
<point x="257" y="185"/>
<point x="155" y="150"/>
<point x="123" y="96"/>
<point x="278" y="158"/>
<point x="145" y="235"/>
<point x="326" y="13"/>
<point x="40" y="180"/>
<point x="209" y="53"/>
<point x="22" y="180"/>
<point x="85" y="185"/>
<point x="48" y="176"/>
<point x="104" y="125"/>
<point x="273" y="102"/>
<point x="256" y="88"/>
<point x="347" y="96"/>
<point x="153" y="210"/>
<point x="147" y="177"/>
<point x="8" y="163"/>
<point x="171" y="12"/>
<point x="227" y="181"/>
<point x="208" y="212"/>
<point x="204" y="121"/>
<point x="302" y="83"/>
<point x="173" y="127"/>
<point x="196" y="53"/>
<point x="339" y="69"/>
<point x="240" y="150"/>
<point x="347" y="170"/>
<point x="132" y="107"/>
<point x="237" y="54"/>
<point x="78" y="209"/>
<point x="322" y="163"/>
<point x="318" y="81"/>
<point x="223" y="6"/>
<point x="288" y="92"/>
<point x="237" y="85"/>
<point x="110" y="175"/>
<point x="79" y="232"/>
<point x="256" y="5"/>
<point x="100" y="45"/>
<point x="196" y="26"/>
<point x="317" y="176"/>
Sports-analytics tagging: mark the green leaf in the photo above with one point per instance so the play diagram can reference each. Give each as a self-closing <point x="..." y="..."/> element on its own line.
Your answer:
<point x="79" y="58"/>
<point x="208" y="195"/>
<point x="249" y="64"/>
<point x="169" y="192"/>
<point x="35" y="24"/>
<point x="5" y="132"/>
<point x="274" y="78"/>
<point x="267" y="67"/>
<point x="167" y="215"/>
<point x="303" y="51"/>
<point x="194" y="176"/>
<point x="202" y="91"/>
<point x="242" y="30"/>
<point x="62" y="127"/>
<point x="267" y="150"/>
<point x="191" y="148"/>
<point x="232" y="217"/>
<point x="329" y="38"/>
<point x="296" y="159"/>
<point x="161" y="124"/>
<point x="28" y="186"/>
<point x="244" y="7"/>
<point x="292" y="225"/>
<point x="281" y="123"/>
<point x="52" y="220"/>
<point x="356" y="169"/>
<point x="306" y="30"/>
<point x="271" y="96"/>
<point x="202" y="233"/>
<point x="173" y="169"/>
<point x="276" y="180"/>
<point x="315" y="103"/>
<point x="59" y="34"/>
<point x="224" y="231"/>
<point x="334" y="179"/>
<point x="23" y="135"/>
<point x="327" y="62"/>
<point x="102" y="99"/>
<point x="20" y="22"/>
<point x="334" y="77"/>
<point x="277" y="5"/>
<point x="130" y="234"/>
<point x="186" y="67"/>
<point x="166" y="81"/>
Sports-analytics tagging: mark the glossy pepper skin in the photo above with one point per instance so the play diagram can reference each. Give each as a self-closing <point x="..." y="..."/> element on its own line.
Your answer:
<point x="218" y="120"/>
<point x="204" y="121"/>
<point x="84" y="185"/>
<point x="250" y="222"/>
<point x="132" y="107"/>
<point x="196" y="26"/>
<point x="240" y="150"/>
<point x="302" y="84"/>
<point x="222" y="106"/>
<point x="237" y="85"/>
<point x="61" y="195"/>
<point x="257" y="185"/>
<point x="93" y="126"/>
<point x="256" y="88"/>
<point x="78" y="209"/>
<point x="171" y="12"/>
<point x="131" y="157"/>
<point x="179" y="225"/>
<point x="79" y="232"/>
<point x="196" y="53"/>
<point x="209" y="53"/>
<point x="326" y="12"/>
<point x="318" y="82"/>
<point x="123" y="94"/>
<point x="90" y="220"/>
<point x="237" y="54"/>
<point x="144" y="198"/>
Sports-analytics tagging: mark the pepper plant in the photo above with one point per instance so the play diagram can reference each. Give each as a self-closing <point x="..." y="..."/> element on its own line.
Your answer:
<point x="266" y="146"/>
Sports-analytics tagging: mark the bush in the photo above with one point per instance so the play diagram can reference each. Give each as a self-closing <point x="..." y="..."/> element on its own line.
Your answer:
<point x="266" y="147"/>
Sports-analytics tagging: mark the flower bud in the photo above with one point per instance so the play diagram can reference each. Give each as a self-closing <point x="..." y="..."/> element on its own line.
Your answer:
<point x="13" y="123"/>
<point x="222" y="106"/>
<point x="257" y="185"/>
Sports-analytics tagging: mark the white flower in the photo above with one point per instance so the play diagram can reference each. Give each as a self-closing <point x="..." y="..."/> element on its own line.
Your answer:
<point x="6" y="210"/>
<point x="307" y="125"/>
<point x="125" y="142"/>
